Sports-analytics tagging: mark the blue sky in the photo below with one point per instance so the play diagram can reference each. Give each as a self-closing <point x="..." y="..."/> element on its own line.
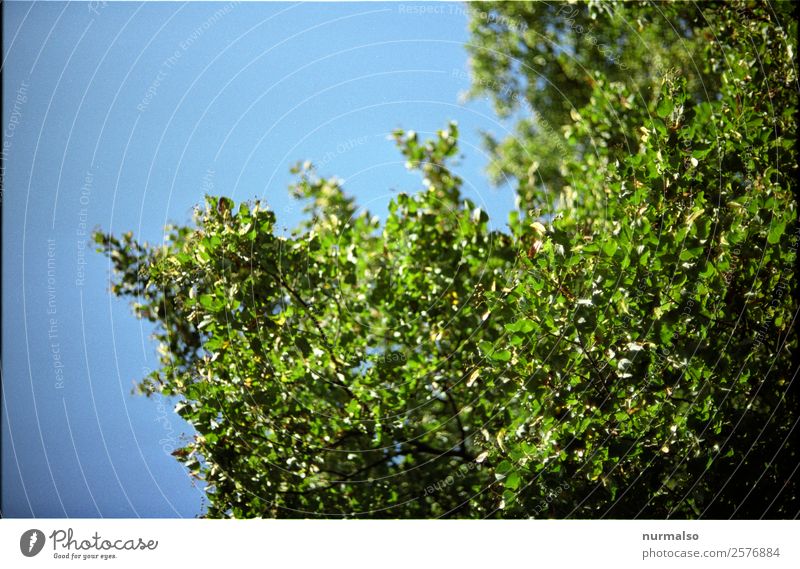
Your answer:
<point x="122" y="116"/>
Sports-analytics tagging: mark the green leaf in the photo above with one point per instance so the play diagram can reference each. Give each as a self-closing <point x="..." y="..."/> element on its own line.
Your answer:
<point x="353" y="408"/>
<point x="512" y="481"/>
<point x="303" y="345"/>
<point x="502" y="355"/>
<point x="776" y="231"/>
<point x="664" y="108"/>
<point x="504" y="468"/>
<point x="610" y="247"/>
<point x="707" y="271"/>
<point x="524" y="326"/>
<point x="692" y="253"/>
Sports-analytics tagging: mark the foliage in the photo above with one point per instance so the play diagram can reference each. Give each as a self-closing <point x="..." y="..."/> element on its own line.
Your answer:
<point x="623" y="349"/>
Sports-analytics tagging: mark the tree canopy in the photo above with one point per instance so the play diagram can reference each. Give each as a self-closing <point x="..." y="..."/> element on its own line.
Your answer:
<point x="624" y="348"/>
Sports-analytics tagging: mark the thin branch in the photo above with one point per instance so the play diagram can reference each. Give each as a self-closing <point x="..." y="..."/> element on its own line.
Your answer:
<point x="424" y="447"/>
<point x="324" y="338"/>
<point x="457" y="411"/>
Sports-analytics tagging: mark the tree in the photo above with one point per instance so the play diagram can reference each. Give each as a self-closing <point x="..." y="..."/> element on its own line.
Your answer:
<point x="623" y="349"/>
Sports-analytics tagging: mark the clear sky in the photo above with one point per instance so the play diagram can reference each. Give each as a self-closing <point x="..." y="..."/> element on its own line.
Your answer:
<point x="122" y="116"/>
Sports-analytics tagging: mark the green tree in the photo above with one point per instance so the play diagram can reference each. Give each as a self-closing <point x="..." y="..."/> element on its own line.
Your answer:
<point x="623" y="349"/>
<point x="661" y="137"/>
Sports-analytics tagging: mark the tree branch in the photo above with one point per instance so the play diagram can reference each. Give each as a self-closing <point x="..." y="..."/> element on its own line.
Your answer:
<point x="424" y="447"/>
